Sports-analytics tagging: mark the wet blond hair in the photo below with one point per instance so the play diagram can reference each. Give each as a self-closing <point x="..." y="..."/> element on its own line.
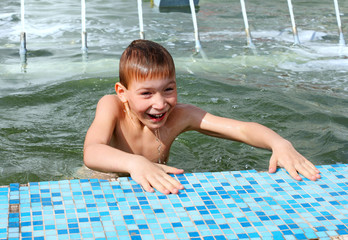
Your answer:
<point x="143" y="60"/>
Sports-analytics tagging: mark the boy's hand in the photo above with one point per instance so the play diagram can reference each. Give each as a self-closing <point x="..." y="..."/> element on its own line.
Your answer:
<point x="284" y="155"/>
<point x="155" y="176"/>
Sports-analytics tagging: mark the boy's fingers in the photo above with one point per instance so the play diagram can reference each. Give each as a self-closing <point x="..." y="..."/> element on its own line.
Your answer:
<point x="172" y="180"/>
<point x="307" y="168"/>
<point x="293" y="173"/>
<point x="272" y="165"/>
<point x="175" y="183"/>
<point x="146" y="185"/>
<point x="313" y="168"/>
<point x="309" y="171"/>
<point x="166" y="185"/>
<point x="169" y="169"/>
<point x="295" y="164"/>
<point x="159" y="186"/>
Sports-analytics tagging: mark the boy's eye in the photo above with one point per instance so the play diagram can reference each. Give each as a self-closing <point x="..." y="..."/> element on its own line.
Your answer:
<point x="169" y="89"/>
<point x="146" y="93"/>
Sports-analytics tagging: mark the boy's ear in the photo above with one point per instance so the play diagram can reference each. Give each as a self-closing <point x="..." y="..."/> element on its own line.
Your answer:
<point x="121" y="92"/>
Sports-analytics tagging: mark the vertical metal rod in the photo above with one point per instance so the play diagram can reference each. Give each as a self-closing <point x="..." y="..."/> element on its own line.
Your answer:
<point x="23" y="40"/>
<point x="246" y="24"/>
<point x="83" y="27"/>
<point x="341" y="41"/>
<point x="195" y="26"/>
<point x="294" y="29"/>
<point x="141" y="23"/>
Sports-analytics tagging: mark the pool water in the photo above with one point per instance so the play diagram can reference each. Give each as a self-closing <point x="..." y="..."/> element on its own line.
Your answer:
<point x="47" y="103"/>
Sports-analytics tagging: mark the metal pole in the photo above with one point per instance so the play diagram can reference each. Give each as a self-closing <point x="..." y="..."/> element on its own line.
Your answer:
<point x="246" y="24"/>
<point x="341" y="41"/>
<point x="141" y="23"/>
<point x="23" y="41"/>
<point x="294" y="30"/>
<point x="195" y="27"/>
<point x="83" y="27"/>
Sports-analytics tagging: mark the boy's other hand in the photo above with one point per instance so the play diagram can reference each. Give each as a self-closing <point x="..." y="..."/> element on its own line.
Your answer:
<point x="153" y="176"/>
<point x="285" y="155"/>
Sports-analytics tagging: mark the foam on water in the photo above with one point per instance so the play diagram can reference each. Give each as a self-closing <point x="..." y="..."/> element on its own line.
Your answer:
<point x="293" y="58"/>
<point x="48" y="101"/>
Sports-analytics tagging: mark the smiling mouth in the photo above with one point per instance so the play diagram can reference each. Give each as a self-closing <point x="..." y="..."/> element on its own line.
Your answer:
<point x="157" y="117"/>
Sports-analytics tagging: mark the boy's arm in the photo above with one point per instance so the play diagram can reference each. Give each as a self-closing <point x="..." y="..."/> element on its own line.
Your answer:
<point x="98" y="155"/>
<point x="283" y="153"/>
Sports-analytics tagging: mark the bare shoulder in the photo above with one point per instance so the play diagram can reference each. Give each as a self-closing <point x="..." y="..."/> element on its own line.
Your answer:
<point x="105" y="120"/>
<point x="108" y="100"/>
<point x="184" y="108"/>
<point x="109" y="104"/>
<point x="188" y="109"/>
<point x="109" y="110"/>
<point x="188" y="115"/>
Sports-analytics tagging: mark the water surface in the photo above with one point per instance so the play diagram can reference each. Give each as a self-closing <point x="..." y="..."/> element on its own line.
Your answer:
<point x="47" y="103"/>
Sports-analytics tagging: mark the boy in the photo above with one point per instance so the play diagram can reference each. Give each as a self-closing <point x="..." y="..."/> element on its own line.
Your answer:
<point x="132" y="131"/>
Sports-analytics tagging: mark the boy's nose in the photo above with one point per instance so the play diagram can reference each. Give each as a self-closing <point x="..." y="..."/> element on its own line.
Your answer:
<point x="159" y="102"/>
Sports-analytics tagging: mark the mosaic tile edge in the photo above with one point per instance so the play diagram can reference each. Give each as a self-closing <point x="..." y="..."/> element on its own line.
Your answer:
<point x="214" y="205"/>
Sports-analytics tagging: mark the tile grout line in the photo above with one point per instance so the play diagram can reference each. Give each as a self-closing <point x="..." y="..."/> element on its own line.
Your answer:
<point x="298" y="197"/>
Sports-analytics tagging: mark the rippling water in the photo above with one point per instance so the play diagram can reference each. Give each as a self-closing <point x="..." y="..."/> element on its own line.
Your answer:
<point x="48" y="103"/>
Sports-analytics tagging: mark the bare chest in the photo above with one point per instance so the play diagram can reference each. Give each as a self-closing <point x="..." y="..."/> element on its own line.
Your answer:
<point x="155" y="146"/>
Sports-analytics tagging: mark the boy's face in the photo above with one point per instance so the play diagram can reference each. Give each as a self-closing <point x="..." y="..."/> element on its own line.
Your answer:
<point x="151" y="101"/>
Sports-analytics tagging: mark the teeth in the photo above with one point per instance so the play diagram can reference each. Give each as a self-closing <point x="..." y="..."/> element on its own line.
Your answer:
<point x="157" y="115"/>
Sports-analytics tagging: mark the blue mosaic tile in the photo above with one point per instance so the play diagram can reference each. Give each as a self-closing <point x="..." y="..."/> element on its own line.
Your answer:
<point x="221" y="205"/>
